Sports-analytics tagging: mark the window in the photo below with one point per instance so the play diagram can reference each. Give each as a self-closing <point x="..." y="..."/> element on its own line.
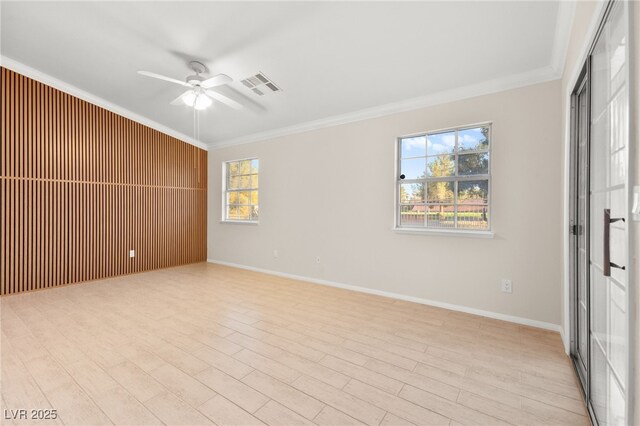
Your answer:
<point x="241" y="190"/>
<point x="444" y="179"/>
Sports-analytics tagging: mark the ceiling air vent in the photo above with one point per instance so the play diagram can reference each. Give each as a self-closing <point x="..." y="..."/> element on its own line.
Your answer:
<point x="258" y="82"/>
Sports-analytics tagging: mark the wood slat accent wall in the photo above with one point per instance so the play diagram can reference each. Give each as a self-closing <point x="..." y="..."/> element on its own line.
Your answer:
<point x="81" y="186"/>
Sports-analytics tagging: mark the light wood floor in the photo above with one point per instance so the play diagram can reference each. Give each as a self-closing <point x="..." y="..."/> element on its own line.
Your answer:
<point x="206" y="344"/>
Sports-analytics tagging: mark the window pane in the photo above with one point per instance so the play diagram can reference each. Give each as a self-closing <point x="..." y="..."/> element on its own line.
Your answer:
<point x="411" y="193"/>
<point x="245" y="182"/>
<point x="254" y="166"/>
<point x="440" y="192"/>
<point x="234" y="182"/>
<point x="245" y="167"/>
<point x="235" y="212"/>
<point x="473" y="164"/>
<point x="254" y="181"/>
<point x="243" y="197"/>
<point x="232" y="198"/>
<point x="412" y="169"/>
<point x="473" y="139"/>
<point x="441" y="143"/>
<point x="254" y="212"/>
<point x="473" y="217"/>
<point x="239" y="212"/>
<point x="244" y="212"/>
<point x="440" y="216"/>
<point x="473" y="192"/>
<point x="441" y="166"/>
<point x="254" y="197"/>
<point x="233" y="168"/>
<point x="412" y="215"/>
<point x="413" y="147"/>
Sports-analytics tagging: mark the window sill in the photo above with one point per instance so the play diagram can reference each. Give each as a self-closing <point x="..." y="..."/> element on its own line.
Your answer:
<point x="239" y="222"/>
<point x="446" y="233"/>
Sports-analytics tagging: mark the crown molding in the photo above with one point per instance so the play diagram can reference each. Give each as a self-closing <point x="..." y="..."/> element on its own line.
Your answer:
<point x="96" y="100"/>
<point x="528" y="78"/>
<point x="564" y="24"/>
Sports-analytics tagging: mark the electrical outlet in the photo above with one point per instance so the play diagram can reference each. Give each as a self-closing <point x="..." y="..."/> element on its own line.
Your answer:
<point x="132" y="253"/>
<point x="506" y="286"/>
<point x="318" y="259"/>
<point x="275" y="253"/>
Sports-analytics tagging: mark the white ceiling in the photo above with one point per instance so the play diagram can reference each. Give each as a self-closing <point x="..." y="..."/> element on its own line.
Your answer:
<point x="330" y="58"/>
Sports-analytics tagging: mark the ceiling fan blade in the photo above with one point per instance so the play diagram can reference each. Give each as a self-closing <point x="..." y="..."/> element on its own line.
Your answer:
<point x="217" y="80"/>
<point x="222" y="98"/>
<point x="178" y="101"/>
<point x="165" y="78"/>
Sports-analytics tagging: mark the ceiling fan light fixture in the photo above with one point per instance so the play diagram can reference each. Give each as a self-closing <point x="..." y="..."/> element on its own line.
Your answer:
<point x="199" y="101"/>
<point x="189" y="98"/>
<point x="202" y="102"/>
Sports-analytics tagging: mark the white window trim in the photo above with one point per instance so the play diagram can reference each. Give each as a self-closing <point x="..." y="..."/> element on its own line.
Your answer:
<point x="239" y="222"/>
<point x="455" y="232"/>
<point x="223" y="210"/>
<point x="470" y="233"/>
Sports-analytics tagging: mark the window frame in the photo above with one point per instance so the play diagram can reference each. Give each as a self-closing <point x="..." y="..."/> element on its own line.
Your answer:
<point x="226" y="190"/>
<point x="455" y="178"/>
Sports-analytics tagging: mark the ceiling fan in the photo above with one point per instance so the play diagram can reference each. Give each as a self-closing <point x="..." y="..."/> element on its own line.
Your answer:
<point x="199" y="96"/>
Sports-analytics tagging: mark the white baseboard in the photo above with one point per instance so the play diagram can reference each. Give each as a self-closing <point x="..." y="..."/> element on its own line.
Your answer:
<point x="565" y="341"/>
<point x="459" y="308"/>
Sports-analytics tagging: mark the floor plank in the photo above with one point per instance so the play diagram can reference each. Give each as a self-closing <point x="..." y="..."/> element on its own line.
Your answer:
<point x="329" y="416"/>
<point x="349" y="404"/>
<point x="232" y="389"/>
<point x="284" y="394"/>
<point x="183" y="385"/>
<point x="395" y="405"/>
<point x="173" y="411"/>
<point x="273" y="413"/>
<point x="224" y="412"/>
<point x="136" y="381"/>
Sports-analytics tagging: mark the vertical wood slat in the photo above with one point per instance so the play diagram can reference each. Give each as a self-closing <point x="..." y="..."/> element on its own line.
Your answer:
<point x="81" y="186"/>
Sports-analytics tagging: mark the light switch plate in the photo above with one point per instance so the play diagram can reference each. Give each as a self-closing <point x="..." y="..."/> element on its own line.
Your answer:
<point x="132" y="253"/>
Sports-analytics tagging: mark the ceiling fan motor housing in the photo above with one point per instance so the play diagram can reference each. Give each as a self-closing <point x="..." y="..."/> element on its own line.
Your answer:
<point x="194" y="79"/>
<point x="198" y="68"/>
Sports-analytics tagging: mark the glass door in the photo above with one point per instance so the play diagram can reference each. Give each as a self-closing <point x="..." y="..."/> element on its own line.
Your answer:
<point x="580" y="227"/>
<point x="600" y="299"/>
<point x="608" y="211"/>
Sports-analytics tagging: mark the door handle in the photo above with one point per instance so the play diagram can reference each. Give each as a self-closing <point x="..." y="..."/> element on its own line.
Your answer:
<point x="607" y="264"/>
